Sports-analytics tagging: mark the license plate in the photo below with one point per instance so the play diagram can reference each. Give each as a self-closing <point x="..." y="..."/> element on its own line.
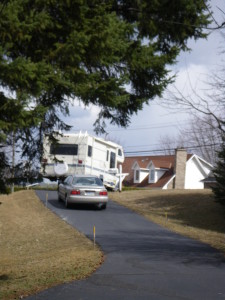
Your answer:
<point x="90" y="193"/>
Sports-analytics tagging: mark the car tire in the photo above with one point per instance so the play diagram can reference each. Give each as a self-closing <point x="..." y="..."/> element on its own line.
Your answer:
<point x="66" y="202"/>
<point x="104" y="205"/>
<point x="101" y="206"/>
<point x="59" y="198"/>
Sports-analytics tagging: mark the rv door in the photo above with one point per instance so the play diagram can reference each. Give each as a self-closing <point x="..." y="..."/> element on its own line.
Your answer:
<point x="112" y="160"/>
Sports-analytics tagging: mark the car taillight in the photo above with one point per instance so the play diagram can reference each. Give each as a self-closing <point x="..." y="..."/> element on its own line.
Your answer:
<point x="75" y="192"/>
<point x="103" y="193"/>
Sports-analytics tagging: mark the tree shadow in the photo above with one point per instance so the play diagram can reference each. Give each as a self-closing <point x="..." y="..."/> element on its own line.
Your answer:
<point x="4" y="277"/>
<point x="53" y="200"/>
<point x="73" y="206"/>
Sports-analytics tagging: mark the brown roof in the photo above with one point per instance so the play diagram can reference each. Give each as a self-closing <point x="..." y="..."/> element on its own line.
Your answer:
<point x="159" y="161"/>
<point x="163" y="164"/>
<point x="163" y="161"/>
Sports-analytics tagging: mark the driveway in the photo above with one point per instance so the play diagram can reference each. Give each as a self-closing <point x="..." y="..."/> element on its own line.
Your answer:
<point x="143" y="260"/>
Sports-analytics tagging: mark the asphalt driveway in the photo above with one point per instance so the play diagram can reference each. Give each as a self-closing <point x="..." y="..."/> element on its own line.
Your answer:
<point x="143" y="260"/>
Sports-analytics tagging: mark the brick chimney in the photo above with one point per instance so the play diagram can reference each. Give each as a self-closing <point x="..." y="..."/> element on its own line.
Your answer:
<point x="180" y="167"/>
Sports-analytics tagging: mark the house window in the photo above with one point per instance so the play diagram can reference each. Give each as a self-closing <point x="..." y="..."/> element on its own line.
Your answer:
<point x="152" y="175"/>
<point x="90" y="151"/>
<point x="137" y="175"/>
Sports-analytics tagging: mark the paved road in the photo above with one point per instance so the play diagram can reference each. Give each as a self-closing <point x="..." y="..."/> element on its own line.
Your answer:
<point x="143" y="260"/>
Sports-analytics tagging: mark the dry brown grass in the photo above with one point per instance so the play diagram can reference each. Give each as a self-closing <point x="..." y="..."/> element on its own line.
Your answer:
<point x="192" y="213"/>
<point x="37" y="249"/>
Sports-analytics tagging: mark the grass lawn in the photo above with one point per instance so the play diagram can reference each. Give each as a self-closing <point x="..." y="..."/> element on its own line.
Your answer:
<point x="39" y="250"/>
<point x="193" y="213"/>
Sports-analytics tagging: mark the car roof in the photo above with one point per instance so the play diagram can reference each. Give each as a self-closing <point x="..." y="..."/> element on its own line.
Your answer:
<point x="83" y="176"/>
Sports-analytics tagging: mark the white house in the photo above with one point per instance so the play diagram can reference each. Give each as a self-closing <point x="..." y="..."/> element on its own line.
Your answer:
<point x="179" y="171"/>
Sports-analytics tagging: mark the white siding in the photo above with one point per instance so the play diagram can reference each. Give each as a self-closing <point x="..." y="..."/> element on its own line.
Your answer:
<point x="165" y="187"/>
<point x="158" y="174"/>
<point x="207" y="168"/>
<point x="98" y="159"/>
<point x="194" y="175"/>
<point x="142" y="174"/>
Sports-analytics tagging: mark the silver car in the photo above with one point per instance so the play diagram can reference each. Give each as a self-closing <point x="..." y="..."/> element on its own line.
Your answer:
<point x="83" y="189"/>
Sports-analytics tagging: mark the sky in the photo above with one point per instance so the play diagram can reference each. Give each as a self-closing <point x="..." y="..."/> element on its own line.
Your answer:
<point x="155" y="120"/>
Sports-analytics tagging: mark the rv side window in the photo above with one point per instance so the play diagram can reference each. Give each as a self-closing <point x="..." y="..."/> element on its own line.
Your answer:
<point x="90" y="151"/>
<point x="112" y="160"/>
<point x="107" y="155"/>
<point x="64" y="149"/>
<point x="119" y="152"/>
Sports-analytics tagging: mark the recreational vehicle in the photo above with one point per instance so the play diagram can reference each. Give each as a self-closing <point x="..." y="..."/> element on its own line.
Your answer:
<point x="82" y="154"/>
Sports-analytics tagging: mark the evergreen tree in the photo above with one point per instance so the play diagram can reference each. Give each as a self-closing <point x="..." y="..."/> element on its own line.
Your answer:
<point x="113" y="54"/>
<point x="4" y="166"/>
<point x="15" y="118"/>
<point x="53" y="51"/>
<point x="219" y="172"/>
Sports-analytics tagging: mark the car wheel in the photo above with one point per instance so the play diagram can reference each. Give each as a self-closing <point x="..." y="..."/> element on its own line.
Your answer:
<point x="104" y="206"/>
<point x="101" y="205"/>
<point x="66" y="202"/>
<point x="59" y="198"/>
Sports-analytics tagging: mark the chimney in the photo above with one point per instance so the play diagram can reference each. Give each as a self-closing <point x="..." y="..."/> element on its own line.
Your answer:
<point x="180" y="167"/>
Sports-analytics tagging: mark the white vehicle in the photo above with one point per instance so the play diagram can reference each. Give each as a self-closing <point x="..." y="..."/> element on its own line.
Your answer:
<point x="83" y="154"/>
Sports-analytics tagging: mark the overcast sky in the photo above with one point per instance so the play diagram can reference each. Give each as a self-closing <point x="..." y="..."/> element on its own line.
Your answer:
<point x="154" y="120"/>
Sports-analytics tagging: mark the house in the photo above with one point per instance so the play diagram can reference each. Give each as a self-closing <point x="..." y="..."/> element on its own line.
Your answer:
<point x="210" y="181"/>
<point x="179" y="171"/>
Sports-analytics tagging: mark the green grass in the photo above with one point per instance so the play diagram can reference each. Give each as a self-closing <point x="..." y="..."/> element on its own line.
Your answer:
<point x="50" y="187"/>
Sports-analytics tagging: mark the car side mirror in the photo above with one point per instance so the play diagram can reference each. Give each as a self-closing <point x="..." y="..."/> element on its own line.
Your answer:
<point x="60" y="181"/>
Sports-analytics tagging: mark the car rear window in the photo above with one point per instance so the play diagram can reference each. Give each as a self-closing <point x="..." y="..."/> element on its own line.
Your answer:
<point x="87" y="181"/>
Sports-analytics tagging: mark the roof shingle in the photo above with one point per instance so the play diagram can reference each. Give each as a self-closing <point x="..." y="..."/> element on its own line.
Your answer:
<point x="159" y="161"/>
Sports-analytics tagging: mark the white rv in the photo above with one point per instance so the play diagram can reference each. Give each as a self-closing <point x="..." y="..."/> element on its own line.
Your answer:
<point x="82" y="154"/>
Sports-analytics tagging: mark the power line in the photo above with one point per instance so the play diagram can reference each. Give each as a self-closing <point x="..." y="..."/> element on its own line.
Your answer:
<point x="156" y="126"/>
<point x="171" y="149"/>
<point x="144" y="128"/>
<point x="158" y="144"/>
